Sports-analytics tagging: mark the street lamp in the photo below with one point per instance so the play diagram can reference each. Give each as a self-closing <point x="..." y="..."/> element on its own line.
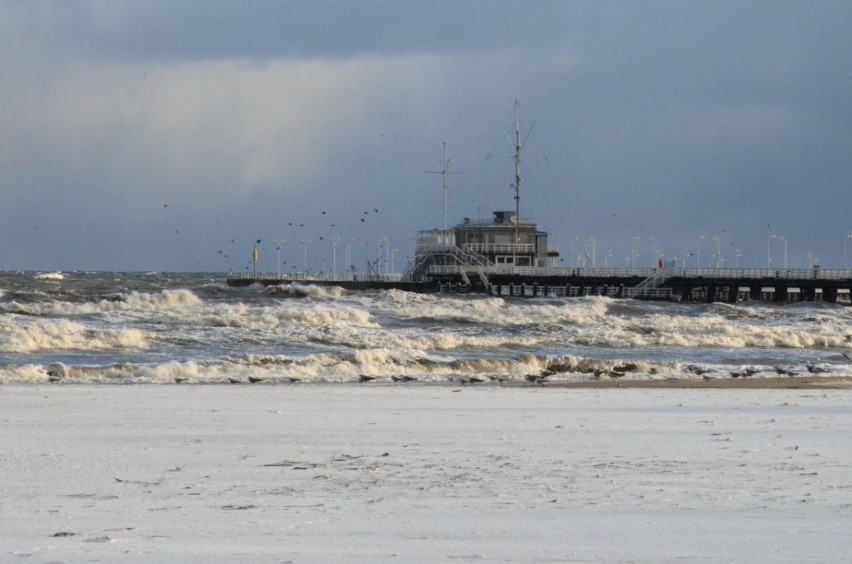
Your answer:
<point x="768" y="254"/>
<point x="698" y="251"/>
<point x="781" y="238"/>
<point x="384" y="244"/>
<point x="278" y="244"/>
<point x="306" y="242"/>
<point x="845" y="254"/>
<point x="335" y="241"/>
<point x="716" y="238"/>
<point x="633" y="251"/>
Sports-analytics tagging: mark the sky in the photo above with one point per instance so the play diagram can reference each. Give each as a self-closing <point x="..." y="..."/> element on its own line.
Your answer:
<point x="173" y="135"/>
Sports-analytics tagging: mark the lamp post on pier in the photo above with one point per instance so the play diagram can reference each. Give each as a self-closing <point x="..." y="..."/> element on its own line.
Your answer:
<point x="335" y="241"/>
<point x="349" y="257"/>
<point x="698" y="251"/>
<point x="306" y="242"/>
<point x="718" y="255"/>
<point x="768" y="253"/>
<point x="780" y="238"/>
<point x="278" y="244"/>
<point x="845" y="254"/>
<point x="633" y="251"/>
<point x="394" y="251"/>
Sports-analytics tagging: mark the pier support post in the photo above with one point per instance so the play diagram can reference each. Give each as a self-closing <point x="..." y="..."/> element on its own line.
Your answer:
<point x="755" y="293"/>
<point x="733" y="292"/>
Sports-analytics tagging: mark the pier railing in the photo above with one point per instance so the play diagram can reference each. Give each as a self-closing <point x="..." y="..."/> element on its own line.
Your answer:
<point x="505" y="249"/>
<point x="644" y="273"/>
<point x="510" y="270"/>
<point x="319" y="277"/>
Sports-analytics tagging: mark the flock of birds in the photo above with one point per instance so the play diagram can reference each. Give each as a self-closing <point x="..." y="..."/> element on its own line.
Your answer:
<point x="225" y="254"/>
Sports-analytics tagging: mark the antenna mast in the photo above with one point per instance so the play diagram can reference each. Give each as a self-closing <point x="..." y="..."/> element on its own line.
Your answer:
<point x="517" y="163"/>
<point x="445" y="170"/>
<point x="445" y="163"/>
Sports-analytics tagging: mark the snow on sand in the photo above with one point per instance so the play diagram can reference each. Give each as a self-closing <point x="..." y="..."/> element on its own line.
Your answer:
<point x="423" y="474"/>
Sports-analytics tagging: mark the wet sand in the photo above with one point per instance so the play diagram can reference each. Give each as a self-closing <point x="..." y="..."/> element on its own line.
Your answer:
<point x="420" y="473"/>
<point x="763" y="383"/>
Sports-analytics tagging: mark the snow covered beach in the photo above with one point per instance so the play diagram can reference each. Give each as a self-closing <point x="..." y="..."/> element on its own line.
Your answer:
<point x="314" y="473"/>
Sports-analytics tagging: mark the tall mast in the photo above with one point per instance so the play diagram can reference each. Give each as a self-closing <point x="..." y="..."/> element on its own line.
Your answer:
<point x="517" y="163"/>
<point x="445" y="170"/>
<point x="445" y="163"/>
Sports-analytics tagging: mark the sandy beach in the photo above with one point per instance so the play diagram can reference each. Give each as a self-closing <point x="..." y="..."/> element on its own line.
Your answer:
<point x="317" y="473"/>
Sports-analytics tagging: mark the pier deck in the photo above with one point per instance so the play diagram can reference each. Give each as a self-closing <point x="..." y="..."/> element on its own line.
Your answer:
<point x="688" y="285"/>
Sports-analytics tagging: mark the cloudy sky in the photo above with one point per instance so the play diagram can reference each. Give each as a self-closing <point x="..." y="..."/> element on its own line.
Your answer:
<point x="171" y="135"/>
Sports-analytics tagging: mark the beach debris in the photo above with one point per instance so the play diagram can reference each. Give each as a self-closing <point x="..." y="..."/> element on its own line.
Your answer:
<point x="537" y="378"/>
<point x="745" y="373"/>
<point x="561" y="367"/>
<point x="403" y="378"/>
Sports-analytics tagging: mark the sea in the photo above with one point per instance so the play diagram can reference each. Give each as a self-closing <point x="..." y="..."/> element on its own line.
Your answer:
<point x="62" y="328"/>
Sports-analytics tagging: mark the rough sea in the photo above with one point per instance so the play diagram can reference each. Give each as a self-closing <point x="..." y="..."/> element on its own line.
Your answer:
<point x="126" y="328"/>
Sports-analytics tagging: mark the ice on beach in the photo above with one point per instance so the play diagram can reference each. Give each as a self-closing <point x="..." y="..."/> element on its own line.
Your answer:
<point x="423" y="474"/>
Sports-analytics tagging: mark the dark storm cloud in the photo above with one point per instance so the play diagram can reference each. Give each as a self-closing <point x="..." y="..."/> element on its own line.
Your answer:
<point x="149" y="135"/>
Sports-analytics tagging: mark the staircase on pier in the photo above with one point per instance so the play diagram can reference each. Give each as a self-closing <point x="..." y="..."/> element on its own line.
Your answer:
<point x="650" y="288"/>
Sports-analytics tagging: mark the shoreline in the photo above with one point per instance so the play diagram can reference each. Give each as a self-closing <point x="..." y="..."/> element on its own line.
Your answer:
<point x="770" y="383"/>
<point x="727" y="383"/>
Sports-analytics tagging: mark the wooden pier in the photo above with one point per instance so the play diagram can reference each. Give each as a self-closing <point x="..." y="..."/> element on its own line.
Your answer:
<point x="673" y="284"/>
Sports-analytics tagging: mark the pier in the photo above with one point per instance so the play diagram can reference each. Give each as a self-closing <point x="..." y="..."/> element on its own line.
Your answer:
<point x="671" y="284"/>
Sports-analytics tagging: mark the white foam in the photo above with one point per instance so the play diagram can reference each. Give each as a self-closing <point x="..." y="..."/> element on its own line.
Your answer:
<point x="50" y="276"/>
<point x="27" y="336"/>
